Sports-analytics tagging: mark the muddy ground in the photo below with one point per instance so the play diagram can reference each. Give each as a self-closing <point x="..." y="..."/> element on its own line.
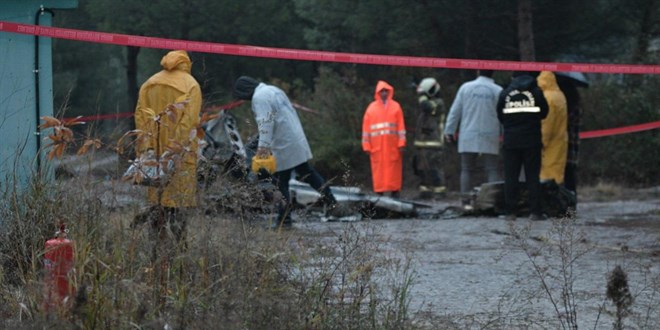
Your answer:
<point x="479" y="272"/>
<point x="474" y="271"/>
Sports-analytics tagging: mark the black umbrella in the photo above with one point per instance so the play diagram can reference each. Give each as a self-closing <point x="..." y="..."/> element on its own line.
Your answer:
<point x="578" y="77"/>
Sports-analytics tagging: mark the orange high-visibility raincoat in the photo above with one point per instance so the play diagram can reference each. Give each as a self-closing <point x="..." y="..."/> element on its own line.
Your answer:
<point x="554" y="129"/>
<point x="383" y="134"/>
<point x="173" y="84"/>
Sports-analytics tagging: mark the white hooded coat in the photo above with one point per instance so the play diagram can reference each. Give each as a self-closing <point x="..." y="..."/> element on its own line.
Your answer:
<point x="279" y="127"/>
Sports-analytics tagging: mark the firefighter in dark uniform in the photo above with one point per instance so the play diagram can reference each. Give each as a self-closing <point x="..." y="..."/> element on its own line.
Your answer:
<point x="428" y="142"/>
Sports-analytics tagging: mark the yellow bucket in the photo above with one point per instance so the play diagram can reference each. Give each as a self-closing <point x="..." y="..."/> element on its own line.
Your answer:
<point x="267" y="163"/>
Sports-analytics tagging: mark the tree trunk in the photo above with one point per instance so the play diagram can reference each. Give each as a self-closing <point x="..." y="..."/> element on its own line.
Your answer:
<point x="436" y="28"/>
<point x="470" y="19"/>
<point x="644" y="36"/>
<point x="470" y="23"/>
<point x="131" y="75"/>
<point x="186" y="17"/>
<point x="525" y="31"/>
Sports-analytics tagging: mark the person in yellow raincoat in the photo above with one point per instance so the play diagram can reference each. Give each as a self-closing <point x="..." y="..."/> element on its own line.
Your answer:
<point x="384" y="138"/>
<point x="173" y="85"/>
<point x="553" y="129"/>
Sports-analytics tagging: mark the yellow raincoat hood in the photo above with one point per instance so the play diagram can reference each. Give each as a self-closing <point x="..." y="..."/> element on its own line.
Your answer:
<point x="176" y="59"/>
<point x="547" y="81"/>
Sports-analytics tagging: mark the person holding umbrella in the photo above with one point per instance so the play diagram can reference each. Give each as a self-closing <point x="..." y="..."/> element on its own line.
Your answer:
<point x="569" y="82"/>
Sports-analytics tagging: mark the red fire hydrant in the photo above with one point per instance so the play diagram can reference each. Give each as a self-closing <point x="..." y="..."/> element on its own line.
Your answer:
<point x="58" y="263"/>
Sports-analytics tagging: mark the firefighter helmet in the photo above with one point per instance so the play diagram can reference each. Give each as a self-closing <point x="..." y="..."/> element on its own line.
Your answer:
<point x="428" y="86"/>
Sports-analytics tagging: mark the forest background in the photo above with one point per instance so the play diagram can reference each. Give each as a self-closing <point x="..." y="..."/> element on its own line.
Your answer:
<point x="104" y="79"/>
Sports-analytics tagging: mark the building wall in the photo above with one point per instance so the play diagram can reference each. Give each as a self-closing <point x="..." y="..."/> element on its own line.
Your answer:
<point x="20" y="108"/>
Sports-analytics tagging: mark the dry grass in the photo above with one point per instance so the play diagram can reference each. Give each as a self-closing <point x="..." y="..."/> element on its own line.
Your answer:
<point x="232" y="273"/>
<point x="607" y="191"/>
<point x="602" y="191"/>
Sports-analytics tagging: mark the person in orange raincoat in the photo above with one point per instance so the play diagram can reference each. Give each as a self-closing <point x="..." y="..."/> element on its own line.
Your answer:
<point x="173" y="84"/>
<point x="553" y="129"/>
<point x="384" y="139"/>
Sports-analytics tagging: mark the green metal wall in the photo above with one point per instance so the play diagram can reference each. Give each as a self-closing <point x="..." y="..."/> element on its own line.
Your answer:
<point x="18" y="87"/>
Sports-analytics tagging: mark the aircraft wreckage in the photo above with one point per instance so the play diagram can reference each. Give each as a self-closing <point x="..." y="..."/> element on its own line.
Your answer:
<point x="224" y="153"/>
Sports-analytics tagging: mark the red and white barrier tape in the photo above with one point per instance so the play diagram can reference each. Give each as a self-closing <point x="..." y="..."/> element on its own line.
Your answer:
<point x="583" y="135"/>
<point x="99" y="117"/>
<point x="620" y="130"/>
<point x="212" y="108"/>
<point x="311" y="55"/>
<point x="230" y="105"/>
<point x="323" y="56"/>
<point x="304" y="108"/>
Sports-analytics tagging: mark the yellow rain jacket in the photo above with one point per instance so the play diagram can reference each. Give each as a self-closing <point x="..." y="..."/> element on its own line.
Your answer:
<point x="173" y="84"/>
<point x="553" y="129"/>
<point x="383" y="135"/>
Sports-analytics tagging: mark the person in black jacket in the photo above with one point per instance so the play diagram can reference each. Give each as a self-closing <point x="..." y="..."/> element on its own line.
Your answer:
<point x="520" y="109"/>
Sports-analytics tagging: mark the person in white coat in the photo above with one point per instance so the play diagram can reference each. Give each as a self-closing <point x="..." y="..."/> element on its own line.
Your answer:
<point x="474" y="109"/>
<point x="281" y="134"/>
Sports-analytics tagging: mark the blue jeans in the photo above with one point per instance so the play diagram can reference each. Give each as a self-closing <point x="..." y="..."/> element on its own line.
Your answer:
<point x="469" y="168"/>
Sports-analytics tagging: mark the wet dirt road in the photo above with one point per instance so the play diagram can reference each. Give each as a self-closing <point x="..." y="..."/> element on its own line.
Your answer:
<point x="471" y="272"/>
<point x="476" y="271"/>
